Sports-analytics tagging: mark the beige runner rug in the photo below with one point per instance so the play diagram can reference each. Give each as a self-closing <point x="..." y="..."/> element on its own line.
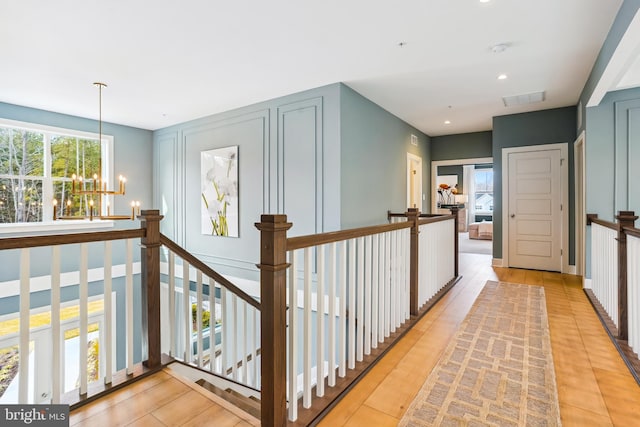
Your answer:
<point x="498" y="369"/>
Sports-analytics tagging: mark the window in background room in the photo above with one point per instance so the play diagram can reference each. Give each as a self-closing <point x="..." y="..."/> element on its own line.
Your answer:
<point x="36" y="165"/>
<point x="484" y="191"/>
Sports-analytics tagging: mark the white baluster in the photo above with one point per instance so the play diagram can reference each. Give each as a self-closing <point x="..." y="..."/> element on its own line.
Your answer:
<point x="331" y="333"/>
<point x="375" y="272"/>
<point x="352" y="305"/>
<point x="387" y="284"/>
<point x="233" y="342"/>
<point x="84" y="317"/>
<point x="360" y="301"/>
<point x="172" y="305"/>
<point x="25" y="315"/>
<point x="199" y="316"/>
<point x="225" y="331"/>
<point x="186" y="315"/>
<point x="56" y="336"/>
<point x="320" y="323"/>
<point x="381" y="286"/>
<point x="367" y="295"/>
<point x="107" y="352"/>
<point x="212" y="323"/>
<point x="394" y="281"/>
<point x="242" y="316"/>
<point x="307" y="362"/>
<point x="128" y="304"/>
<point x="342" y="324"/>
<point x="292" y="372"/>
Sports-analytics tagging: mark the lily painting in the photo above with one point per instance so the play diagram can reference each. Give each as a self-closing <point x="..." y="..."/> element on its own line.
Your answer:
<point x="219" y="191"/>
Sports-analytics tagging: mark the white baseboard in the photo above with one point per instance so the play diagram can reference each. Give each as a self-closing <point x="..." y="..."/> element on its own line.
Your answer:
<point x="497" y="262"/>
<point x="586" y="283"/>
<point x="572" y="269"/>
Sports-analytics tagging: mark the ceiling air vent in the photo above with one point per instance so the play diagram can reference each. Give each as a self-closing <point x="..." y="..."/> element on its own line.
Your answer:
<point x="527" y="98"/>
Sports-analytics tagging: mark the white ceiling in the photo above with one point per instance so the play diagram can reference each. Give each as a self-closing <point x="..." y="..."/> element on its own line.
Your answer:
<point x="166" y="62"/>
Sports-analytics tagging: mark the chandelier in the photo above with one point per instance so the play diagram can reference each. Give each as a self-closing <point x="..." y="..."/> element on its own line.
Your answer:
<point x="95" y="190"/>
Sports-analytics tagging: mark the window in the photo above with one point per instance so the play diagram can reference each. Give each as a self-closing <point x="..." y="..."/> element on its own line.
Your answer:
<point x="36" y="165"/>
<point x="484" y="191"/>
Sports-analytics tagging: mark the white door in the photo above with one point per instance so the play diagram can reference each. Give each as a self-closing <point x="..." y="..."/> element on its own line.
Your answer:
<point x="534" y="209"/>
<point x="414" y="181"/>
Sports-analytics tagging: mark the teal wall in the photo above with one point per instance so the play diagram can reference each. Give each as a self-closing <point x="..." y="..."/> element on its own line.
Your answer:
<point x="374" y="147"/>
<point x="462" y="146"/>
<point x="626" y="13"/>
<point x="601" y="124"/>
<point x="289" y="162"/>
<point x="535" y="128"/>
<point x="612" y="154"/>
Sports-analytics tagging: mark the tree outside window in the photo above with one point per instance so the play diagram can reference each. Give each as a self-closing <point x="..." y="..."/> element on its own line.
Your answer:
<point x="36" y="167"/>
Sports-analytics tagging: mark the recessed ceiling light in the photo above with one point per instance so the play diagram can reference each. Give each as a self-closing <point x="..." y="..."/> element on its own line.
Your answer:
<point x="485" y="1"/>
<point x="502" y="77"/>
<point x="447" y="122"/>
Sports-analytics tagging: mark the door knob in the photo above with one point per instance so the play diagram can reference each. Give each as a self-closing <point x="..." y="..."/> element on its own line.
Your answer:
<point x="513" y="215"/>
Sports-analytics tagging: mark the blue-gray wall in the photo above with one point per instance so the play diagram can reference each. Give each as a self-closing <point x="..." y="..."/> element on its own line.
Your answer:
<point x="289" y="162"/>
<point x="462" y="146"/>
<point x="374" y="147"/>
<point x="535" y="128"/>
<point x="600" y="124"/>
<point x="132" y="151"/>
<point x="626" y="13"/>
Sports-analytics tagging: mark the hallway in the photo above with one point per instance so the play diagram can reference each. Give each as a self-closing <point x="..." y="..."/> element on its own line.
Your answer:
<point x="595" y="387"/>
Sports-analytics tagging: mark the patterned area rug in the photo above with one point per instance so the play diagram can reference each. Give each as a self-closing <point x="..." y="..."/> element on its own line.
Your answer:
<point x="498" y="369"/>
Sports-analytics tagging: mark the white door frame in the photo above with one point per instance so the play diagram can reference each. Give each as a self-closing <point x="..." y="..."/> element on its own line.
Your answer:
<point x="434" y="173"/>
<point x="411" y="158"/>
<point x="579" y="150"/>
<point x="564" y="172"/>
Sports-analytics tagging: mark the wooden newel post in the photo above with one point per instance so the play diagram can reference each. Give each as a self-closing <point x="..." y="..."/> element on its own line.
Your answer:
<point x="625" y="219"/>
<point x="273" y="318"/>
<point x="455" y="212"/>
<point x="150" y="276"/>
<point x="413" y="216"/>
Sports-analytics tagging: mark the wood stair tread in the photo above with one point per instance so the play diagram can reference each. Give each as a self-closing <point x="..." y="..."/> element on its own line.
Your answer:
<point x="247" y="404"/>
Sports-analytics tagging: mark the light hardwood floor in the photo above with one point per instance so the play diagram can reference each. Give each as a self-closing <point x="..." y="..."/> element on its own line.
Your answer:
<point x="594" y="386"/>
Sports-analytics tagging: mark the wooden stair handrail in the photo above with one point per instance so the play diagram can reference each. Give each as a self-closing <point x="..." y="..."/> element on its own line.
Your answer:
<point x="67" y="239"/>
<point x="593" y="218"/>
<point x="302" y="242"/>
<point x="192" y="260"/>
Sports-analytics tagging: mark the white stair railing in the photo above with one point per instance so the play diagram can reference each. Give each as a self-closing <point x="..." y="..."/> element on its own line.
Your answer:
<point x="229" y="344"/>
<point x="604" y="268"/>
<point x="633" y="292"/>
<point x="43" y="351"/>
<point x="348" y="295"/>
<point x="436" y="255"/>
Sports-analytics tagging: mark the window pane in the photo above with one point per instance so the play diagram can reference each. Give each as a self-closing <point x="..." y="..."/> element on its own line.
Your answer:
<point x="20" y="200"/>
<point x="70" y="155"/>
<point x="21" y="152"/>
<point x="72" y="357"/>
<point x="71" y="204"/>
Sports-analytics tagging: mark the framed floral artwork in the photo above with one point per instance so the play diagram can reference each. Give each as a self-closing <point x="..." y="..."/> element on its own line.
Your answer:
<point x="219" y="190"/>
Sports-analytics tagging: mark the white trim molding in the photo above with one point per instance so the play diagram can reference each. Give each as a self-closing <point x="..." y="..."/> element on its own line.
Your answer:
<point x="434" y="172"/>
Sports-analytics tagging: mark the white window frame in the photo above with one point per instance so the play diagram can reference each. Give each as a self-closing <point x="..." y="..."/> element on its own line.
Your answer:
<point x="47" y="187"/>
<point x="477" y="211"/>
